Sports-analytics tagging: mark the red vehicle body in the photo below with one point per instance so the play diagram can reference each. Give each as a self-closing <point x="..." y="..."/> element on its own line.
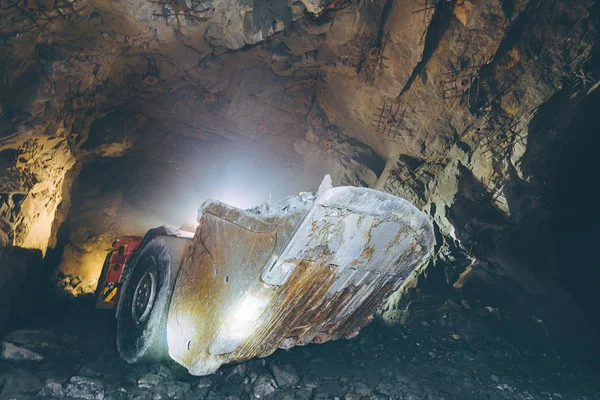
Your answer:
<point x="116" y="262"/>
<point x="123" y="252"/>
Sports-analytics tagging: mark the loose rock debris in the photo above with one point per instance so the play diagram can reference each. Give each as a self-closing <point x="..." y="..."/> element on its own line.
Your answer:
<point x="461" y="354"/>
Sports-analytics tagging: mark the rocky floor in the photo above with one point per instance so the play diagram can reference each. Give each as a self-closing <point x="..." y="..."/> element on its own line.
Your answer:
<point x="462" y="354"/>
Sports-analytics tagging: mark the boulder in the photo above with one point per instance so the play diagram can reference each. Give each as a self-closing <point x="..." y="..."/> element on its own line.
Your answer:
<point x="285" y="375"/>
<point x="52" y="389"/>
<point x="298" y="42"/>
<point x="80" y="387"/>
<point x="12" y="352"/>
<point x="15" y="383"/>
<point x="263" y="386"/>
<point x="149" y="381"/>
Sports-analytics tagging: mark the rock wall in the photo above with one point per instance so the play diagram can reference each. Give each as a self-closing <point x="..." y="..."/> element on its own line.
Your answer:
<point x="489" y="191"/>
<point x="443" y="103"/>
<point x="65" y="70"/>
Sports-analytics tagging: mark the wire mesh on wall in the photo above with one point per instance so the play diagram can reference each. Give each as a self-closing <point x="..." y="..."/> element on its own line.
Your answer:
<point x="389" y="120"/>
<point x="371" y="56"/>
<point x="175" y="12"/>
<point x="462" y="85"/>
<point x="501" y="132"/>
<point x="29" y="15"/>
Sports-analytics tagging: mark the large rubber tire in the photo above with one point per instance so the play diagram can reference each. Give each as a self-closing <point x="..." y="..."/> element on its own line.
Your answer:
<point x="142" y="330"/>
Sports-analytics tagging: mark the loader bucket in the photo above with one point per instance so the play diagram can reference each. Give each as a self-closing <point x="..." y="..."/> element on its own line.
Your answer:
<point x="310" y="269"/>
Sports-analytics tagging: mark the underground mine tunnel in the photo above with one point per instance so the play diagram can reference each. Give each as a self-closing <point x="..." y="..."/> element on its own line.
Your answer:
<point x="303" y="199"/>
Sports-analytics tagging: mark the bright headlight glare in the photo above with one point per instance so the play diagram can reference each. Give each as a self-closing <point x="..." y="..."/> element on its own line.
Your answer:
<point x="240" y="324"/>
<point x="237" y="331"/>
<point x="250" y="308"/>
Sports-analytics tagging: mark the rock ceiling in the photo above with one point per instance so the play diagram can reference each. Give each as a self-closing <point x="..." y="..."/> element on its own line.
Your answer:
<point x="431" y="100"/>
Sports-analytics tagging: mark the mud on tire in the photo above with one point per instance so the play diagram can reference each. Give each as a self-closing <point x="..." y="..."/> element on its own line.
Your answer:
<point x="142" y="316"/>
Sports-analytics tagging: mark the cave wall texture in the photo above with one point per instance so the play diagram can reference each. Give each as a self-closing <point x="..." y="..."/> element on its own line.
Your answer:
<point x="117" y="116"/>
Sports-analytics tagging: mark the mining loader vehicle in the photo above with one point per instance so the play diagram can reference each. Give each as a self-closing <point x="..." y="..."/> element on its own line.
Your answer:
<point x="308" y="269"/>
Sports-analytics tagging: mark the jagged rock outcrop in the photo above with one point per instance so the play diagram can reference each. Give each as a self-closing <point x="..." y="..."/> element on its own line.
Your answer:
<point x="478" y="191"/>
<point x="437" y="102"/>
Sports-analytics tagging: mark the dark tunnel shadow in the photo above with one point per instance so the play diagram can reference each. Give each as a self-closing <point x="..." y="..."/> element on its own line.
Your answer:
<point x="21" y="283"/>
<point x="574" y="223"/>
<point x="559" y="233"/>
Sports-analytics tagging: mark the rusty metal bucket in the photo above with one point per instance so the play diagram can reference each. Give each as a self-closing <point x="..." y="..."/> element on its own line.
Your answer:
<point x="309" y="269"/>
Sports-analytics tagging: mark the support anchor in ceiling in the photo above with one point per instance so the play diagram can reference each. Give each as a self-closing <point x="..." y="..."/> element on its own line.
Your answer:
<point x="389" y="120"/>
<point x="462" y="84"/>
